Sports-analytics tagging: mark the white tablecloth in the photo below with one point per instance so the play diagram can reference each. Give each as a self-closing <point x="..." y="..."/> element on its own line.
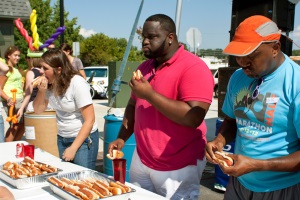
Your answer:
<point x="8" y="152"/>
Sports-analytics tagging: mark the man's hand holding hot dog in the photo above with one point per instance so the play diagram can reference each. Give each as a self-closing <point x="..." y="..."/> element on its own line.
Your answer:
<point x="137" y="75"/>
<point x="140" y="86"/>
<point x="242" y="164"/>
<point x="118" y="144"/>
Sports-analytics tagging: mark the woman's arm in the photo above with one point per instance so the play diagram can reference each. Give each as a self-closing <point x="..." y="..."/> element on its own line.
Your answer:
<point x="80" y="67"/>
<point x="4" y="96"/>
<point x="82" y="73"/>
<point x="3" y="68"/>
<point x="40" y="102"/>
<point x="5" y="194"/>
<point x="28" y="92"/>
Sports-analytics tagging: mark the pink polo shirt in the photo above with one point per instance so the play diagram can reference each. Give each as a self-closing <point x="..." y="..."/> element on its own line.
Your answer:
<point x="161" y="143"/>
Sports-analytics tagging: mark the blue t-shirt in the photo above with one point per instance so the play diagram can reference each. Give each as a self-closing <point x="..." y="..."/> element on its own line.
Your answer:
<point x="269" y="126"/>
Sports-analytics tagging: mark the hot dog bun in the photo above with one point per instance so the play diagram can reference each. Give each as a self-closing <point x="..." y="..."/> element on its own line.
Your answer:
<point x="101" y="189"/>
<point x="5" y="172"/>
<point x="221" y="157"/>
<point x="98" y="193"/>
<point x="27" y="159"/>
<point x="90" y="188"/>
<point x="35" y="82"/>
<point x="67" y="181"/>
<point x="89" y="193"/>
<point x="116" y="155"/>
<point x="8" y="165"/>
<point x="137" y="75"/>
<point x="123" y="187"/>
<point x="57" y="182"/>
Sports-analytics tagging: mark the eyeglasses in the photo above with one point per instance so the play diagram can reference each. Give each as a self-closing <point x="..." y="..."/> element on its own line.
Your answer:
<point x="255" y="92"/>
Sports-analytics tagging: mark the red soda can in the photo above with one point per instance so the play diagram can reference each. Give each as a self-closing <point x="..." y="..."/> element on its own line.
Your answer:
<point x="20" y="151"/>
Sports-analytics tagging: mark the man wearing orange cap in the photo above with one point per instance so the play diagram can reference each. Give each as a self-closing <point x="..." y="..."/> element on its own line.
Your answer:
<point x="263" y="116"/>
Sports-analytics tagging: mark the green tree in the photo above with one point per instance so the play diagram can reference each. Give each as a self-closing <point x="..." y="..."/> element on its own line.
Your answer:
<point x="99" y="49"/>
<point x="296" y="52"/>
<point x="212" y="52"/>
<point x="48" y="20"/>
<point x="43" y="12"/>
<point x="71" y="34"/>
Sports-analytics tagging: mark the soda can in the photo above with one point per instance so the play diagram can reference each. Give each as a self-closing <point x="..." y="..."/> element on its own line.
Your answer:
<point x="20" y="150"/>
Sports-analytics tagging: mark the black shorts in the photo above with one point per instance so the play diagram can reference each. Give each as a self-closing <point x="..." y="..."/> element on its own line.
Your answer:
<point x="236" y="191"/>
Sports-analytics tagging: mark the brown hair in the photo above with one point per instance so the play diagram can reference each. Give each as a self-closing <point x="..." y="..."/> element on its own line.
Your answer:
<point x="35" y="62"/>
<point x="56" y="58"/>
<point x="66" y="47"/>
<point x="10" y="50"/>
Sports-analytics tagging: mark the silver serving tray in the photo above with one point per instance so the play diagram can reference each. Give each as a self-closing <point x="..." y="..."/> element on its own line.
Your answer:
<point x="81" y="175"/>
<point x="28" y="182"/>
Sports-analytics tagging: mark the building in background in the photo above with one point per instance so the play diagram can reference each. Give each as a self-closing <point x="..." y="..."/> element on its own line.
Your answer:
<point x="9" y="11"/>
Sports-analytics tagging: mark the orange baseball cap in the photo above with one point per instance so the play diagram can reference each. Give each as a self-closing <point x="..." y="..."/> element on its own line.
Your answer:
<point x="250" y="34"/>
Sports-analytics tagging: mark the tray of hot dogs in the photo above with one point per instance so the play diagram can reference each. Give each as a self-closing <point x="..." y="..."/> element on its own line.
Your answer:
<point x="27" y="173"/>
<point x="88" y="184"/>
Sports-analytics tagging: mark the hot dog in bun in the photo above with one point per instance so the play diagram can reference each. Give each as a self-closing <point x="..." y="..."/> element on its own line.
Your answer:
<point x="221" y="157"/>
<point x="137" y="75"/>
<point x="36" y="81"/>
<point x="120" y="185"/>
<point x="116" y="154"/>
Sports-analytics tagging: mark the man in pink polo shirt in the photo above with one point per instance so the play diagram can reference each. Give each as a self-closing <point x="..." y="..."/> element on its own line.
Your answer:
<point x="166" y="113"/>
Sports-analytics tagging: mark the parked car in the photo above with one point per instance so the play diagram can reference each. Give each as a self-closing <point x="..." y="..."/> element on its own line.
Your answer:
<point x="99" y="81"/>
<point x="216" y="88"/>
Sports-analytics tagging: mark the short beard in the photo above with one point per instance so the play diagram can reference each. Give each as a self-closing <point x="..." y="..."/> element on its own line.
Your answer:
<point x="158" y="53"/>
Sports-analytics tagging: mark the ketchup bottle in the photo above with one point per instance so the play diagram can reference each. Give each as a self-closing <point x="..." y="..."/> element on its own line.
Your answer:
<point x="20" y="150"/>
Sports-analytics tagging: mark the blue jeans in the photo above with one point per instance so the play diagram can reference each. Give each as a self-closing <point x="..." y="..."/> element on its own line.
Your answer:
<point x="85" y="156"/>
<point x="1" y="129"/>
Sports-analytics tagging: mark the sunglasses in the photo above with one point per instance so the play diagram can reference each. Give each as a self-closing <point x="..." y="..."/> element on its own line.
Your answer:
<point x="255" y="92"/>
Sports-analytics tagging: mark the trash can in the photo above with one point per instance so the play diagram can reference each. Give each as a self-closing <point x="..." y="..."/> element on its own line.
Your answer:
<point x="221" y="179"/>
<point x="111" y="129"/>
<point x="41" y="131"/>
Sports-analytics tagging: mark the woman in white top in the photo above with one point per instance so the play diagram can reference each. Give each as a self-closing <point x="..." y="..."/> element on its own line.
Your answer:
<point x="68" y="94"/>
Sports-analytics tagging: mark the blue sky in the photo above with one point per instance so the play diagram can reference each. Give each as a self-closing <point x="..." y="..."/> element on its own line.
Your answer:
<point x="115" y="18"/>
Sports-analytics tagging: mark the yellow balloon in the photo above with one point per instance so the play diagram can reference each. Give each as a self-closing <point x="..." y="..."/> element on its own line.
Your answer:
<point x="35" y="34"/>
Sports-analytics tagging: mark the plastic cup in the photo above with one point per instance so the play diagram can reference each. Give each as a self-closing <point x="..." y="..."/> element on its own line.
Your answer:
<point x="119" y="170"/>
<point x="29" y="151"/>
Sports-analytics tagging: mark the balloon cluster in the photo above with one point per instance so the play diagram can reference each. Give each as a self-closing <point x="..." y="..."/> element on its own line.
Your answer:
<point x="36" y="47"/>
<point x="11" y="117"/>
<point x="24" y="33"/>
<point x="35" y="34"/>
<point x="53" y="37"/>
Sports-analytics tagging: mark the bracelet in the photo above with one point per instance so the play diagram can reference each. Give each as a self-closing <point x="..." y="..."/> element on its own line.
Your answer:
<point x="9" y="98"/>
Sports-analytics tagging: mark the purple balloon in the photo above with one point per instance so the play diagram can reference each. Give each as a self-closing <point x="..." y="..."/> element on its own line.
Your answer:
<point x="53" y="37"/>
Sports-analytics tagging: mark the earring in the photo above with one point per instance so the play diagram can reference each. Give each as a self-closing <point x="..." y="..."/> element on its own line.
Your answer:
<point x="170" y="42"/>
